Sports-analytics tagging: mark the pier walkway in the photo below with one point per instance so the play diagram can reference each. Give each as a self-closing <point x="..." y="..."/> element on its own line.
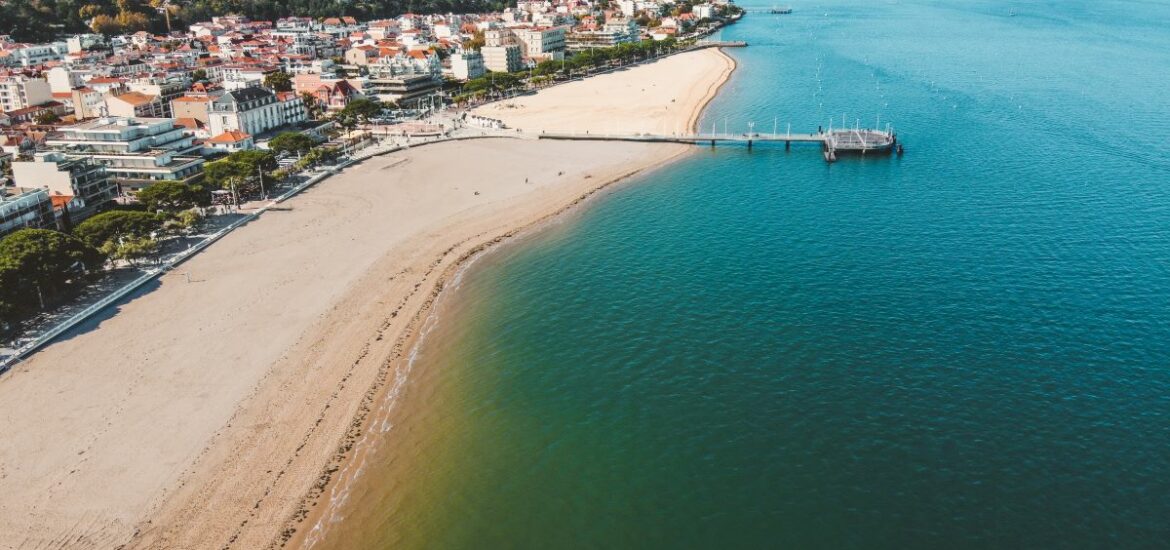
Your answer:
<point x="833" y="142"/>
<point x="716" y="44"/>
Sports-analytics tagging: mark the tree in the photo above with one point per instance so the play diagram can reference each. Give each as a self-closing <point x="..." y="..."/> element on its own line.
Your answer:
<point x="38" y="264"/>
<point x="312" y="105"/>
<point x="292" y="142"/>
<point x="173" y="197"/>
<point x="115" y="226"/>
<point x="255" y="159"/>
<point x="104" y="24"/>
<point x="279" y="81"/>
<point x="46" y="117"/>
<point x="476" y="43"/>
<point x="225" y="173"/>
<point x="362" y="109"/>
<point x="198" y="75"/>
<point x="132" y="250"/>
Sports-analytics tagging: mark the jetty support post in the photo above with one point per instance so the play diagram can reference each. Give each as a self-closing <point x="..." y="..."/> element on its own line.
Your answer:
<point x="749" y="145"/>
<point x="787" y="145"/>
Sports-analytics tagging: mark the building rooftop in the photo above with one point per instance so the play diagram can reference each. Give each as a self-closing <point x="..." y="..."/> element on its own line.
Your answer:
<point x="113" y="123"/>
<point x="136" y="98"/>
<point x="231" y="136"/>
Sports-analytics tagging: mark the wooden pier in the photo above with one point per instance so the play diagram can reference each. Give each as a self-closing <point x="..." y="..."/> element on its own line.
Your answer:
<point x="833" y="142"/>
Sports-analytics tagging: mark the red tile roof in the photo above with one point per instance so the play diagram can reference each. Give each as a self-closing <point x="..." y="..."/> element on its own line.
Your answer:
<point x="231" y="136"/>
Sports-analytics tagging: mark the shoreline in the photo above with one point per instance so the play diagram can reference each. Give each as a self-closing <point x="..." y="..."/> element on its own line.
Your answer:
<point x="411" y="342"/>
<point x="181" y="418"/>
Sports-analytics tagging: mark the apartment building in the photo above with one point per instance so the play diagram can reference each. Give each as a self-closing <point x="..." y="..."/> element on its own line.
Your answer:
<point x="22" y="92"/>
<point x="134" y="151"/>
<point x="31" y="55"/>
<point x="467" y="65"/>
<point x="77" y="176"/>
<point x="403" y="90"/>
<point x="502" y="59"/>
<point x="249" y="110"/>
<point x="541" y="43"/>
<point x="87" y="103"/>
<point x="134" y="105"/>
<point x="22" y="208"/>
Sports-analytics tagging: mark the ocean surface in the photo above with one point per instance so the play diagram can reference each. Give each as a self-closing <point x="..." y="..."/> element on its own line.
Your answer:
<point x="966" y="347"/>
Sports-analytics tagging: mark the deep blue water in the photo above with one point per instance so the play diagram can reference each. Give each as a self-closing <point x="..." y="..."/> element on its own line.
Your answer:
<point x="968" y="346"/>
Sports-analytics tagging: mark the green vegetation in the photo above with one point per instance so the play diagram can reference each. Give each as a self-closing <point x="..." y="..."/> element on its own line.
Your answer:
<point x="292" y="142"/>
<point x="41" y="20"/>
<point x="359" y="110"/>
<point x="316" y="156"/>
<point x="279" y="81"/>
<point x="109" y="228"/>
<point x="312" y="106"/>
<point x="173" y="197"/>
<point x="40" y="266"/>
<point x="243" y="172"/>
<point x="46" y="117"/>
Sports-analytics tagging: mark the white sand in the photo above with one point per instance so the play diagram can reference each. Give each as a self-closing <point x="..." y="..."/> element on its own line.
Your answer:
<point x="205" y="414"/>
<point x="644" y="99"/>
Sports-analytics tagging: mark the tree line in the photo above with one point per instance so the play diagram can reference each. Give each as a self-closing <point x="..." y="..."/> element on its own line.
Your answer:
<point x="42" y="267"/>
<point x="45" y="20"/>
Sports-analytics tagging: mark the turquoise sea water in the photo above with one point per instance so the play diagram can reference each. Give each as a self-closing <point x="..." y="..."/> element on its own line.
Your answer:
<point x="965" y="347"/>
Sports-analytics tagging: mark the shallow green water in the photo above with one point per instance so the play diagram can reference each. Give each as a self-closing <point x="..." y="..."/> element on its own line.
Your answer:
<point x="965" y="347"/>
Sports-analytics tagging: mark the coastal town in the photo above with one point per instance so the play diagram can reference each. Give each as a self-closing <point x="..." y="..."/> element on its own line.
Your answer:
<point x="121" y="149"/>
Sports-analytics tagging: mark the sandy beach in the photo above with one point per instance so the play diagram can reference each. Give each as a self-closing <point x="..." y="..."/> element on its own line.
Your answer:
<point x="644" y="99"/>
<point x="214" y="413"/>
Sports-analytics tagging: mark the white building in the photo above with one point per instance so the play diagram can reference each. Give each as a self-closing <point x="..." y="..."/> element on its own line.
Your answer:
<point x="135" y="151"/>
<point x="78" y="176"/>
<point x="24" y="208"/>
<point x="467" y="65"/>
<point x="703" y="11"/>
<point x="20" y="92"/>
<point x="81" y="42"/>
<point x="30" y="55"/>
<point x="250" y="110"/>
<point x="62" y="80"/>
<point x="501" y="59"/>
<point x="541" y="43"/>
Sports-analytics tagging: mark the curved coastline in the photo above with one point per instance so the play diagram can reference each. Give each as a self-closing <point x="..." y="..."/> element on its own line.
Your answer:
<point x="313" y="509"/>
<point x="216" y="408"/>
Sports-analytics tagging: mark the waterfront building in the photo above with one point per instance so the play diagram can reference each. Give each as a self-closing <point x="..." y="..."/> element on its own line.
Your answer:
<point x="76" y="176"/>
<point x="134" y="151"/>
<point x="332" y="95"/>
<point x="402" y="90"/>
<point x="249" y="110"/>
<point x="501" y="59"/>
<point x="467" y="65"/>
<point x="619" y="30"/>
<point x="24" y="208"/>
<point x="541" y="43"/>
